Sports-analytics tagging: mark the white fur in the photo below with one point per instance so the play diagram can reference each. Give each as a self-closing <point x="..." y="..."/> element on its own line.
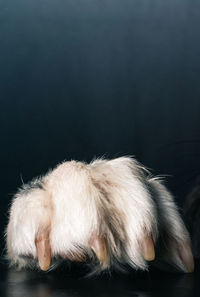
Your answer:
<point x="115" y="198"/>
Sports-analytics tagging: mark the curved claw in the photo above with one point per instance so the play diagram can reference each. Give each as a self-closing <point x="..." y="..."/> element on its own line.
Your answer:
<point x="148" y="250"/>
<point x="43" y="250"/>
<point x="186" y="256"/>
<point x="98" y="245"/>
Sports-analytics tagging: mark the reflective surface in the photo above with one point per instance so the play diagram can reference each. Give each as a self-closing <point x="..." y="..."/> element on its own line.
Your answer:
<point x="64" y="283"/>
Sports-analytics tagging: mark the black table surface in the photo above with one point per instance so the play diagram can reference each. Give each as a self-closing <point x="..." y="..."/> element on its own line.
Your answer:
<point x="64" y="282"/>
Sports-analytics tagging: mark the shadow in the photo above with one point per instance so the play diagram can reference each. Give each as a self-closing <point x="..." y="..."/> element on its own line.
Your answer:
<point x="62" y="283"/>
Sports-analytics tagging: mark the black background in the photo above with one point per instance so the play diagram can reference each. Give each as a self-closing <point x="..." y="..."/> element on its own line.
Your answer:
<point x="86" y="78"/>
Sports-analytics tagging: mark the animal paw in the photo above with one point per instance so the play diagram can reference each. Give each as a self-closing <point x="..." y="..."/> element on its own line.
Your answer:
<point x="108" y="213"/>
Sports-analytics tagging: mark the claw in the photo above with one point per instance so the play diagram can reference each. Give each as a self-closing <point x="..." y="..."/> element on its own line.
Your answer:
<point x="186" y="256"/>
<point x="148" y="250"/>
<point x="98" y="245"/>
<point x="43" y="250"/>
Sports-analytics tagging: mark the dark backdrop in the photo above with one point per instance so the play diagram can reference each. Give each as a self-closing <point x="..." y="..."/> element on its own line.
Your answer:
<point x="84" y="78"/>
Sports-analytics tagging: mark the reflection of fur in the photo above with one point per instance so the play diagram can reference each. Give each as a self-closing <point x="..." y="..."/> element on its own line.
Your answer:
<point x="192" y="217"/>
<point x="113" y="207"/>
